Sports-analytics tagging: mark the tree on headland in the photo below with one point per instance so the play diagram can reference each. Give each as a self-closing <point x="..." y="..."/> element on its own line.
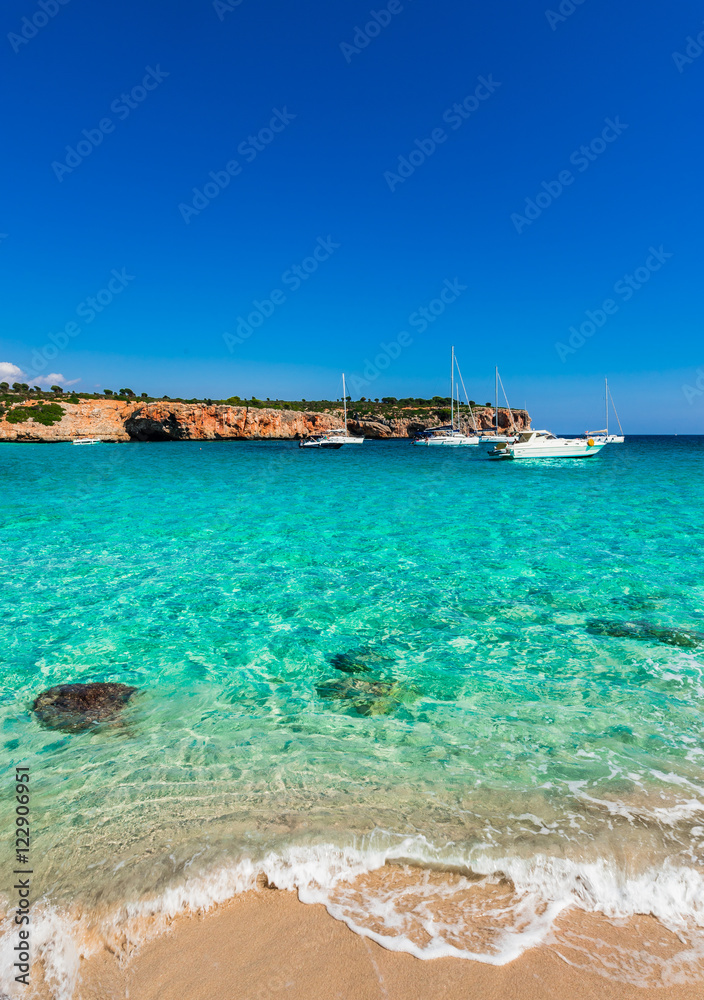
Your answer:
<point x="126" y="392"/>
<point x="144" y="395"/>
<point x="108" y="392"/>
<point x="57" y="389"/>
<point x="4" y="386"/>
<point x="17" y="386"/>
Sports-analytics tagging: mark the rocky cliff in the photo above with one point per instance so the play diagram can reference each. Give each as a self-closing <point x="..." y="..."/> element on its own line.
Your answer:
<point x="116" y="420"/>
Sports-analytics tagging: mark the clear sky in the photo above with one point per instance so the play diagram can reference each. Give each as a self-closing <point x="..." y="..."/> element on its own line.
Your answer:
<point x="552" y="162"/>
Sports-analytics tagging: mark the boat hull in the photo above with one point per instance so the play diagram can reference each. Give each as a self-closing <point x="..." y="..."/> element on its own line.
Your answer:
<point x="319" y="444"/>
<point x="330" y="441"/>
<point x="555" y="451"/>
<point x="448" y="442"/>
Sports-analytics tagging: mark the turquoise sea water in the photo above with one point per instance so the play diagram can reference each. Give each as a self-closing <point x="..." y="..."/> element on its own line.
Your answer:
<point x="528" y="639"/>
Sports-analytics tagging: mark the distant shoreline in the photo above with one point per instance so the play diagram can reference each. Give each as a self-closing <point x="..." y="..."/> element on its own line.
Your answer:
<point x="123" y="420"/>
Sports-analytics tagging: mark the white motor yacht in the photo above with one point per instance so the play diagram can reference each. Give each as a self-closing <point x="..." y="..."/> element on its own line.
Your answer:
<point x="543" y="444"/>
<point x="86" y="441"/>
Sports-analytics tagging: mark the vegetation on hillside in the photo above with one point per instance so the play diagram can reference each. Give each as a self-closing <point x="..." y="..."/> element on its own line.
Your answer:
<point x="41" y="413"/>
<point x="388" y="407"/>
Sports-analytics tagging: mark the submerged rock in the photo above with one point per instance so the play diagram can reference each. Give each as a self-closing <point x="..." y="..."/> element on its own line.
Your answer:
<point x="364" y="697"/>
<point x="646" y="632"/>
<point x="76" y="707"/>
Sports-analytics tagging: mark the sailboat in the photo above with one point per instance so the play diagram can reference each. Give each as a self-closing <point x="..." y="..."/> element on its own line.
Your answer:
<point x="333" y="439"/>
<point x="495" y="436"/>
<point x="603" y="435"/>
<point x="450" y="437"/>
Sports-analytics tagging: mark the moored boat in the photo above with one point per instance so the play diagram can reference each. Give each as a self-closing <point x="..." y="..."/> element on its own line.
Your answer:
<point x="86" y="441"/>
<point x="445" y="437"/>
<point x="450" y="437"/>
<point x="336" y="438"/>
<point x="603" y="435"/>
<point x="543" y="444"/>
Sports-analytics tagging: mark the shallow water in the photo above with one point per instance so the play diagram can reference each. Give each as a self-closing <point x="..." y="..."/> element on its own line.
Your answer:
<point x="345" y="659"/>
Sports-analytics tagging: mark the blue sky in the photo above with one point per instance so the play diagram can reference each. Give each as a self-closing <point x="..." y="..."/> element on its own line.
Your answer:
<point x="318" y="122"/>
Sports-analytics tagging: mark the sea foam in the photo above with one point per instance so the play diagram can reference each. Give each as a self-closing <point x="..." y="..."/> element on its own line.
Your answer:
<point x="410" y="896"/>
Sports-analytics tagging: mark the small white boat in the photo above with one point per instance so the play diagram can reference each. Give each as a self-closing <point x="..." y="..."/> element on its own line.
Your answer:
<point x="333" y="439"/>
<point x="543" y="444"/>
<point x="603" y="435"/>
<point x="445" y="437"/>
<point x="450" y="437"/>
<point x="86" y="441"/>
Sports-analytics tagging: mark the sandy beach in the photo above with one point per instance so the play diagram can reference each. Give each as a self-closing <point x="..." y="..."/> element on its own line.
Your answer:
<point x="266" y="944"/>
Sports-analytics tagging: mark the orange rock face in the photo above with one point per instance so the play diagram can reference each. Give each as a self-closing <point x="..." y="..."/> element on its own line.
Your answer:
<point x="117" y="420"/>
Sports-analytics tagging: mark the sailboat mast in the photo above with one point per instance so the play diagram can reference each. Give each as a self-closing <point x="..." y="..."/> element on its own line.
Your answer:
<point x="496" y="399"/>
<point x="344" y="400"/>
<point x="620" y="429"/>
<point x="452" y="390"/>
<point x="606" y="402"/>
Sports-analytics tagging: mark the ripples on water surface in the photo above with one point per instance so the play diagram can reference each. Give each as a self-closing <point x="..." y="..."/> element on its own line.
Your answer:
<point x="391" y="654"/>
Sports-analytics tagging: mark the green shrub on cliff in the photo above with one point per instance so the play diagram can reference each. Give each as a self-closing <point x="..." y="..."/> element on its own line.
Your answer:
<point x="47" y="414"/>
<point x="18" y="415"/>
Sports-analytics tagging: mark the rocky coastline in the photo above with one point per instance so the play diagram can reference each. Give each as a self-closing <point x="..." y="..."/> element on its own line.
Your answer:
<point x="163" y="420"/>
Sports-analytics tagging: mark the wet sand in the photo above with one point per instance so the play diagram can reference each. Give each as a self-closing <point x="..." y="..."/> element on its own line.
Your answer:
<point x="267" y="944"/>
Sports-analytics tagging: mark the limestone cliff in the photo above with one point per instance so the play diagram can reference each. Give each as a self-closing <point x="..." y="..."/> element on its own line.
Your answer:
<point x="117" y="420"/>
